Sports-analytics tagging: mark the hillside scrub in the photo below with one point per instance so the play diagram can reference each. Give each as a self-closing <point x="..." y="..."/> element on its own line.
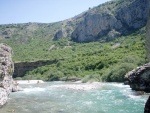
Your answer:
<point x="92" y="61"/>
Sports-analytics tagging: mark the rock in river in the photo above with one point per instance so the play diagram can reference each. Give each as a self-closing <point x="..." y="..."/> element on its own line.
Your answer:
<point x="7" y="85"/>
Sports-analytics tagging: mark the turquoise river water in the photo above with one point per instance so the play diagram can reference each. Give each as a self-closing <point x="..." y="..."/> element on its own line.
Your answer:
<point x="43" y="98"/>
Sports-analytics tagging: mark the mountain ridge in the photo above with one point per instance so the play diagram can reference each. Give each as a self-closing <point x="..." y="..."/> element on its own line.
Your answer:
<point x="108" y="21"/>
<point x="104" y="22"/>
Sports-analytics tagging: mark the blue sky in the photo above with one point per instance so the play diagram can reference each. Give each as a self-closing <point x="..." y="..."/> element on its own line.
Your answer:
<point x="44" y="11"/>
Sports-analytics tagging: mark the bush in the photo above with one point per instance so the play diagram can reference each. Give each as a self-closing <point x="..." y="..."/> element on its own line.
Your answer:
<point x="91" y="61"/>
<point x="118" y="72"/>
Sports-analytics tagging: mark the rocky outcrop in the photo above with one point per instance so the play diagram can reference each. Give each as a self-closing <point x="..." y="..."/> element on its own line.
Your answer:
<point x="63" y="32"/>
<point x="7" y="85"/>
<point x="126" y="17"/>
<point x="22" y="67"/>
<point x="106" y="22"/>
<point x="67" y="27"/>
<point x="95" y="26"/>
<point x="139" y="79"/>
<point x="147" y="106"/>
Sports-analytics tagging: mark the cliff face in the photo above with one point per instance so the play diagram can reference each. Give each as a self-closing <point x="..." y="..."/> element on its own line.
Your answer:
<point x="95" y="26"/>
<point x="127" y="17"/>
<point x="7" y="84"/>
<point x="23" y="67"/>
<point x="107" y="21"/>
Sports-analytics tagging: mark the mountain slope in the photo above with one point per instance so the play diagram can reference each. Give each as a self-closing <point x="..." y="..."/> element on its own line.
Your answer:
<point x="109" y="21"/>
<point x="24" y="33"/>
<point x="104" y="22"/>
<point x="99" y="59"/>
<point x="94" y="61"/>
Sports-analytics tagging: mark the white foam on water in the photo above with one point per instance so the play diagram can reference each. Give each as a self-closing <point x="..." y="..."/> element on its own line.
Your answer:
<point x="121" y="85"/>
<point x="37" y="89"/>
<point x="134" y="97"/>
<point x="29" y="81"/>
<point x="88" y="102"/>
<point x="62" y="96"/>
<point x="131" y="95"/>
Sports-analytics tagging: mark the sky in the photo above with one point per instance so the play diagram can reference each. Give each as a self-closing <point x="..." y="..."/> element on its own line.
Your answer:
<point x="43" y="11"/>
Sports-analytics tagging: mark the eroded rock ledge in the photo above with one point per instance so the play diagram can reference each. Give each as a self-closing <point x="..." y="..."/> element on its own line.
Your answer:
<point x="7" y="85"/>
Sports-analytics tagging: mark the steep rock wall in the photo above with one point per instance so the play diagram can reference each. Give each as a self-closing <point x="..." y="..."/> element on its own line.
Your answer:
<point x="107" y="25"/>
<point x="7" y="84"/>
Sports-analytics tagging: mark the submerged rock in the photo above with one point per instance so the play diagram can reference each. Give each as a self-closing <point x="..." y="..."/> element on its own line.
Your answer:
<point x="6" y="71"/>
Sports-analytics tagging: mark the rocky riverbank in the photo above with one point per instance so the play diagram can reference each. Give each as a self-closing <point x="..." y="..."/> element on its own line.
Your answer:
<point x="29" y="81"/>
<point x="7" y="85"/>
<point x="139" y="79"/>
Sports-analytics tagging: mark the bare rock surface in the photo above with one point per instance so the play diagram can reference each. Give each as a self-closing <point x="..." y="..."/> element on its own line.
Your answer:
<point x="7" y="85"/>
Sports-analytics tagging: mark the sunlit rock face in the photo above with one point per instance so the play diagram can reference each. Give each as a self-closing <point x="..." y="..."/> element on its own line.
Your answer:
<point x="127" y="17"/>
<point x="7" y="84"/>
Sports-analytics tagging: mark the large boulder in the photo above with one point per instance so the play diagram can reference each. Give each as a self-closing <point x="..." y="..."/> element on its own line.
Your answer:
<point x="7" y="85"/>
<point x="147" y="106"/>
<point x="139" y="79"/>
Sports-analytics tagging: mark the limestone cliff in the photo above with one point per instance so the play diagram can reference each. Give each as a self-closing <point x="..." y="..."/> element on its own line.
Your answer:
<point x="107" y="21"/>
<point x="127" y="17"/>
<point x="7" y="84"/>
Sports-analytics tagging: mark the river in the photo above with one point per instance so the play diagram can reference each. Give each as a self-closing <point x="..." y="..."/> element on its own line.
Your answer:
<point x="62" y="97"/>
